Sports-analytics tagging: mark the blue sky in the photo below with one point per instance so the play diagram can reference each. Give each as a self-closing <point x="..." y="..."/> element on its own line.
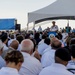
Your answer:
<point x="19" y="8"/>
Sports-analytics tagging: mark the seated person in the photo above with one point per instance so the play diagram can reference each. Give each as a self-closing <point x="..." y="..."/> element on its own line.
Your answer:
<point x="14" y="60"/>
<point x="61" y="58"/>
<point x="71" y="64"/>
<point x="2" y="62"/>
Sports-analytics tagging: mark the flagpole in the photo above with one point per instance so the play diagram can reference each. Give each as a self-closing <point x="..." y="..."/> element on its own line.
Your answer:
<point x="68" y="23"/>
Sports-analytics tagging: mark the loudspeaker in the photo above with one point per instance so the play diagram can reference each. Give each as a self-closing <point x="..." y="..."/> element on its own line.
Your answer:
<point x="17" y="27"/>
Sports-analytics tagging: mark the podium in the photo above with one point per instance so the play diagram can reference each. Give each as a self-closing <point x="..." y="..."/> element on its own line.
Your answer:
<point x="52" y="34"/>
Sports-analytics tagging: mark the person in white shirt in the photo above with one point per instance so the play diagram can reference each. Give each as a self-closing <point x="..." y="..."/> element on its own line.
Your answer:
<point x="43" y="38"/>
<point x="4" y="38"/>
<point x="65" y="35"/>
<point x="62" y="57"/>
<point x="30" y="66"/>
<point x="13" y="46"/>
<point x="71" y="63"/>
<point x="19" y="38"/>
<point x="2" y="61"/>
<point x="48" y="54"/>
<point x="11" y="39"/>
<point x="40" y="29"/>
<point x="54" y="27"/>
<point x="14" y="60"/>
<point x="43" y="46"/>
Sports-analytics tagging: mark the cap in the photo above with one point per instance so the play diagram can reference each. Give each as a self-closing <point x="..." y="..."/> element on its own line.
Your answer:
<point x="63" y="54"/>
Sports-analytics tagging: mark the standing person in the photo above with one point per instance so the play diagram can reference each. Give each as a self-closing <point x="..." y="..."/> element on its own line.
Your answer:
<point x="62" y="57"/>
<point x="14" y="60"/>
<point x="68" y="28"/>
<point x="54" y="27"/>
<point x="40" y="29"/>
<point x="64" y="35"/>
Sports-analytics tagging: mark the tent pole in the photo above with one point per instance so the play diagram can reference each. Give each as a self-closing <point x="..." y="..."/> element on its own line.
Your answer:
<point x="68" y="22"/>
<point x="27" y="27"/>
<point x="34" y="26"/>
<point x="27" y="23"/>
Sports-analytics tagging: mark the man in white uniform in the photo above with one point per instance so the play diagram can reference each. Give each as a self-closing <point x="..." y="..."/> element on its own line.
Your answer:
<point x="31" y="65"/>
<point x="48" y="55"/>
<point x="62" y="57"/>
<point x="54" y="27"/>
<point x="40" y="29"/>
<point x="65" y="35"/>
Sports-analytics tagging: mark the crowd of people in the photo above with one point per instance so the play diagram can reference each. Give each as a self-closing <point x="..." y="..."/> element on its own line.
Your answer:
<point x="48" y="52"/>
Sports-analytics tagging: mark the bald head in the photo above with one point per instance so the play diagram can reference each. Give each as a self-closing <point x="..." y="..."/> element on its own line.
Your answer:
<point x="54" y="39"/>
<point x="14" y="44"/>
<point x="56" y="44"/>
<point x="27" y="45"/>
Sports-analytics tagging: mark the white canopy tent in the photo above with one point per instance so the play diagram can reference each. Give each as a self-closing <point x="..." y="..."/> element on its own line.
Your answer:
<point x="60" y="9"/>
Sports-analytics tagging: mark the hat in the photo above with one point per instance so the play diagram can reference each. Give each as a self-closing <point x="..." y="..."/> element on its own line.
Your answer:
<point x="63" y="54"/>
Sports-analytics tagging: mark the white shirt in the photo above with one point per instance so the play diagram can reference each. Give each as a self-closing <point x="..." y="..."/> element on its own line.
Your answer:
<point x="10" y="41"/>
<point x="30" y="66"/>
<point x="31" y="36"/>
<point x="54" y="28"/>
<point x="39" y="29"/>
<point x="19" y="47"/>
<point x="55" y="69"/>
<point x="8" y="71"/>
<point x="2" y="62"/>
<point x="42" y="41"/>
<point x="5" y="47"/>
<point x="47" y="57"/>
<point x="64" y="36"/>
<point x="42" y="47"/>
<point x="71" y="64"/>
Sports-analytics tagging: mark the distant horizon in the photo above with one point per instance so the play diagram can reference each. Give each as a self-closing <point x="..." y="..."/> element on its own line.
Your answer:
<point x="61" y="24"/>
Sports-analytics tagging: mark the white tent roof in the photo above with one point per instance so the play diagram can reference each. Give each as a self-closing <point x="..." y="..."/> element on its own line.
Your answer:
<point x="59" y="8"/>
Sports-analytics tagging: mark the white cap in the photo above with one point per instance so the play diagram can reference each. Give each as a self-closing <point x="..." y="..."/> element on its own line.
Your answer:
<point x="1" y="44"/>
